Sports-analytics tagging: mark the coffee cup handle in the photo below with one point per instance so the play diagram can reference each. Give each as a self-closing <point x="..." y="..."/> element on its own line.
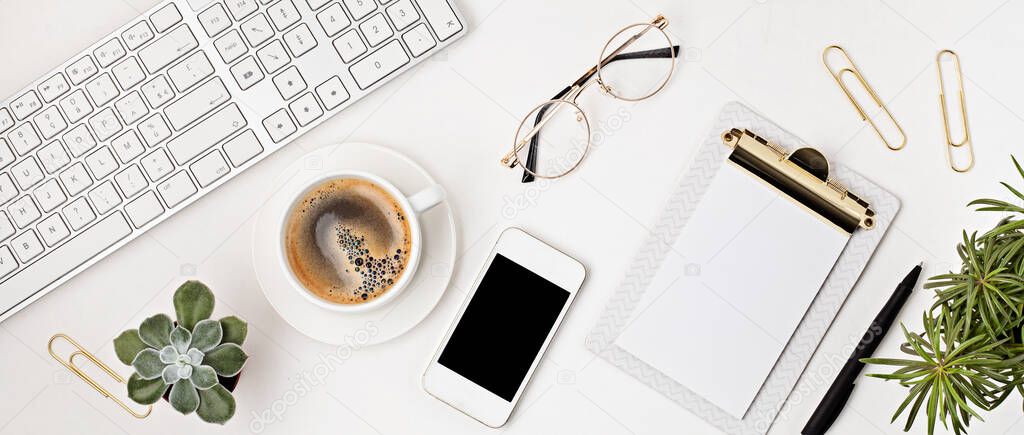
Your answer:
<point x="427" y="198"/>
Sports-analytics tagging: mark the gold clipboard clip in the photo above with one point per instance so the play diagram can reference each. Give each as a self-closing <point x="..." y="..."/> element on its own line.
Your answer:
<point x="852" y="69"/>
<point x="69" y="363"/>
<point x="950" y="143"/>
<point x="803" y="176"/>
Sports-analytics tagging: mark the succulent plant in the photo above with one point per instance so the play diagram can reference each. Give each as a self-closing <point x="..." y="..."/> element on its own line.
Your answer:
<point x="186" y="356"/>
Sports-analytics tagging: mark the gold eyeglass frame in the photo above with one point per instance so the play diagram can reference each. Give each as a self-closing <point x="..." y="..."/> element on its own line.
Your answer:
<point x="592" y="75"/>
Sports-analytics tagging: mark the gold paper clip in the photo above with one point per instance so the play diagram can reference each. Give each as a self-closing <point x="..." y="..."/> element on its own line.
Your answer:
<point x="69" y="364"/>
<point x="852" y="69"/>
<point x="950" y="144"/>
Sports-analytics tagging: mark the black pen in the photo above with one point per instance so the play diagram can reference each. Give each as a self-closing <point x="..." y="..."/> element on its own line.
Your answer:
<point x="835" y="398"/>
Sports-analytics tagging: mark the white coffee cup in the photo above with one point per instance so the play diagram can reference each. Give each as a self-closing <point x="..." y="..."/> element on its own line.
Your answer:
<point x="412" y="206"/>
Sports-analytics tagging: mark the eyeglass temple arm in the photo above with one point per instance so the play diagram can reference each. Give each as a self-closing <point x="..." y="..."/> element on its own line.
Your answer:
<point x="531" y="155"/>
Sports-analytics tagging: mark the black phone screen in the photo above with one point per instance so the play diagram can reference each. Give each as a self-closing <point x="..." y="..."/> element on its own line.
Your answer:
<point x="503" y="327"/>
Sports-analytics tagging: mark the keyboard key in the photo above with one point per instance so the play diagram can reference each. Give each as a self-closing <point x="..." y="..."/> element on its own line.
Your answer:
<point x="102" y="90"/>
<point x="214" y="20"/>
<point x="419" y="40"/>
<point x="190" y="71"/>
<point x="154" y="130"/>
<point x="168" y="49"/>
<point x="376" y="29"/>
<point x="242" y="148"/>
<point x="157" y="165"/>
<point x="50" y="122"/>
<point x="283" y="14"/>
<point x="23" y="211"/>
<point x="300" y="40"/>
<point x="144" y="209"/>
<point x="6" y="227"/>
<point x="332" y="92"/>
<point x="27" y="173"/>
<point x="209" y="169"/>
<point x="316" y="4"/>
<point x="379" y="64"/>
<point x="349" y="46"/>
<point x="241" y="8"/>
<point x="206" y="134"/>
<point x="53" y="88"/>
<point x="130" y="181"/>
<point x="128" y="73"/>
<point x="101" y="163"/>
<point x="306" y="109"/>
<point x="176" y="189"/>
<point x="76" y="106"/>
<point x="106" y="198"/>
<point x="403" y="14"/>
<point x="81" y="70"/>
<point x="333" y="19"/>
<point x="26" y="246"/>
<point x="131" y="108"/>
<point x="49" y="195"/>
<point x="197" y="103"/>
<point x="289" y="83"/>
<point x="166" y="17"/>
<point x="360" y="8"/>
<point x="230" y="46"/>
<point x="79" y="141"/>
<point x="7" y="189"/>
<point x="247" y="73"/>
<point x="79" y="214"/>
<point x="6" y="121"/>
<point x="57" y="263"/>
<point x="157" y="92"/>
<point x="105" y="124"/>
<point x="127" y="146"/>
<point x="108" y="53"/>
<point x="7" y="262"/>
<point x="53" y="230"/>
<point x="441" y="17"/>
<point x="273" y="56"/>
<point x="24" y="138"/>
<point x="53" y="157"/>
<point x="137" y="35"/>
<point x="257" y="30"/>
<point x="75" y="179"/>
<point x="279" y="125"/>
<point x="25" y="105"/>
<point x="6" y="155"/>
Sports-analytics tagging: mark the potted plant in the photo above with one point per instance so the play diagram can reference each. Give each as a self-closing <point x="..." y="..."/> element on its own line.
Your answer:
<point x="193" y="362"/>
<point x="970" y="358"/>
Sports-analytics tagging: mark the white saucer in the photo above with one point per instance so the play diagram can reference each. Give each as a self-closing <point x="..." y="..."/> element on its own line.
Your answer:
<point x="390" y="320"/>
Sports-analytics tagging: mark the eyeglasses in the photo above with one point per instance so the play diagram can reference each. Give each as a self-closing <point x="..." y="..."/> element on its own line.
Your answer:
<point x="555" y="136"/>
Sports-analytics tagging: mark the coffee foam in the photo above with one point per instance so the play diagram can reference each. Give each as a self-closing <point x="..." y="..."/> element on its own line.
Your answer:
<point x="347" y="241"/>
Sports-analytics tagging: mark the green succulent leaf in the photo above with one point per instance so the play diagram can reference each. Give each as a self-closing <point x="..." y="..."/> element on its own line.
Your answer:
<point x="168" y="355"/>
<point x="216" y="405"/>
<point x="127" y="345"/>
<point x="193" y="301"/>
<point x="181" y="339"/>
<point x="235" y="330"/>
<point x="155" y="331"/>
<point x="170" y="375"/>
<point x="204" y="377"/>
<point x="145" y="392"/>
<point x="148" y="364"/>
<point x="227" y="359"/>
<point x="207" y="334"/>
<point x="195" y="356"/>
<point x="184" y="397"/>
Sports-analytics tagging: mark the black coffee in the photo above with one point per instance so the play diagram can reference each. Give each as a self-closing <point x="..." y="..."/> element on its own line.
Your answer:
<point x="347" y="240"/>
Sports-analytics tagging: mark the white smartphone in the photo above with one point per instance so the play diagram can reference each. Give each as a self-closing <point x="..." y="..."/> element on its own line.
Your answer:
<point x="515" y="306"/>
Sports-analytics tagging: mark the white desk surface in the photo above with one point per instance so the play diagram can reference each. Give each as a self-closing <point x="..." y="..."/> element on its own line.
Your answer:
<point x="456" y="114"/>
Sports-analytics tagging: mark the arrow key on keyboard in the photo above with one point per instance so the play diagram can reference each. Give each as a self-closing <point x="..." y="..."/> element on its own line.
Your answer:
<point x="279" y="125"/>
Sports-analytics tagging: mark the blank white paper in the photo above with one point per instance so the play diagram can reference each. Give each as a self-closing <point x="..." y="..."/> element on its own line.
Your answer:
<point x="732" y="290"/>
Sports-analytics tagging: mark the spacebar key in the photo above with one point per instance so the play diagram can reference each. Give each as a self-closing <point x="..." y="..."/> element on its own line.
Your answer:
<point x="62" y="260"/>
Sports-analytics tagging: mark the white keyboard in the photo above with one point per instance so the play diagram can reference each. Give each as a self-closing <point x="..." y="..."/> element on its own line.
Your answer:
<point x="175" y="103"/>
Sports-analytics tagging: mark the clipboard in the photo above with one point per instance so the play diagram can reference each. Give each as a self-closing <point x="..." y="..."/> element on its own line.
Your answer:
<point x="856" y="211"/>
